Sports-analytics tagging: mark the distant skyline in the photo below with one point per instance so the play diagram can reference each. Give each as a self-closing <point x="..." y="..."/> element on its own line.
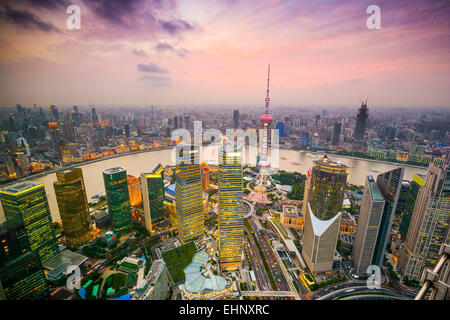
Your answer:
<point x="216" y="52"/>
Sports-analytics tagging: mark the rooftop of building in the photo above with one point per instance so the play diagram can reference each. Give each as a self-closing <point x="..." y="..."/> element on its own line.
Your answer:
<point x="113" y="170"/>
<point x="196" y="282"/>
<point x="328" y="162"/>
<point x="290" y="210"/>
<point x="375" y="192"/>
<point x="20" y="187"/>
<point x="155" y="271"/>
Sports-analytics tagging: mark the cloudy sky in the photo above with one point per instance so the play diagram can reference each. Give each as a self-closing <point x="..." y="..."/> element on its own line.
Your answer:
<point x="215" y="52"/>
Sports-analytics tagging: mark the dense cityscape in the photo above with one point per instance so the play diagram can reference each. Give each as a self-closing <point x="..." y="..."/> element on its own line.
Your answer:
<point x="263" y="201"/>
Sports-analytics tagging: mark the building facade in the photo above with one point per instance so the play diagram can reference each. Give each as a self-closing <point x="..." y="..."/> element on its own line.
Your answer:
<point x="417" y="181"/>
<point x="389" y="184"/>
<point x="23" y="278"/>
<point x="370" y="215"/>
<point x="26" y="209"/>
<point x="152" y="186"/>
<point x="231" y="209"/>
<point x="73" y="206"/>
<point x="429" y="227"/>
<point x="117" y="196"/>
<point x="134" y="189"/>
<point x="190" y="215"/>
<point x="323" y="199"/>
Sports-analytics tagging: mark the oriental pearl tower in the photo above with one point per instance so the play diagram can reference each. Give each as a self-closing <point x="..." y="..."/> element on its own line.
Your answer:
<point x="264" y="164"/>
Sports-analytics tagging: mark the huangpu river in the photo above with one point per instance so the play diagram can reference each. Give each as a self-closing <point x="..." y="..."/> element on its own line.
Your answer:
<point x="289" y="160"/>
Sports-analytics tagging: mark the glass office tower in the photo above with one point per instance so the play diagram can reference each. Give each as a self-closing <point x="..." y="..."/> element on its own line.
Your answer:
<point x="231" y="209"/>
<point x="369" y="220"/>
<point x="116" y="188"/>
<point x="323" y="199"/>
<point x="26" y="207"/>
<point x="190" y="215"/>
<point x="429" y="227"/>
<point x="73" y="206"/>
<point x="23" y="278"/>
<point x="418" y="180"/>
<point x="326" y="187"/>
<point x="389" y="184"/>
<point x="152" y="186"/>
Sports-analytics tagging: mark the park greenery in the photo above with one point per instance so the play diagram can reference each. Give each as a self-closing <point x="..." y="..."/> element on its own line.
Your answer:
<point x="179" y="258"/>
<point x="294" y="179"/>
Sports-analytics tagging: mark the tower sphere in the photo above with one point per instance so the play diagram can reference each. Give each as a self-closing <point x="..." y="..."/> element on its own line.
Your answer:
<point x="266" y="118"/>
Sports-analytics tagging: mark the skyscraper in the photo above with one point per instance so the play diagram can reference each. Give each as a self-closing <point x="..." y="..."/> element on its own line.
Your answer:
<point x="325" y="187"/>
<point x="324" y="195"/>
<point x="54" y="113"/>
<point x="335" y="138"/>
<point x="94" y="116"/>
<point x="152" y="186"/>
<point x="134" y="190"/>
<point x="236" y="119"/>
<point x="429" y="226"/>
<point x="25" y="205"/>
<point x="73" y="206"/>
<point x="417" y="181"/>
<point x="231" y="209"/>
<point x="361" y="123"/>
<point x="118" y="199"/>
<point x="368" y="226"/>
<point x="23" y="278"/>
<point x="127" y="130"/>
<point x="389" y="184"/>
<point x="55" y="134"/>
<point x="190" y="216"/>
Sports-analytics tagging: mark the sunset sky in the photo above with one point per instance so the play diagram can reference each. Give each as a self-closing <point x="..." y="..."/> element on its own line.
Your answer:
<point x="216" y="52"/>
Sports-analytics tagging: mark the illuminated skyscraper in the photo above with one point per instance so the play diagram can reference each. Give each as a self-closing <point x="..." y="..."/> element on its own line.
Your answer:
<point x="325" y="187"/>
<point x="417" y="181"/>
<point x="368" y="227"/>
<point x="389" y="184"/>
<point x="118" y="199"/>
<point x="324" y="195"/>
<point x="26" y="207"/>
<point x="152" y="185"/>
<point x="190" y="216"/>
<point x="127" y="130"/>
<point x="23" y="278"/>
<point x="134" y="189"/>
<point x="73" y="206"/>
<point x="231" y="209"/>
<point x="429" y="226"/>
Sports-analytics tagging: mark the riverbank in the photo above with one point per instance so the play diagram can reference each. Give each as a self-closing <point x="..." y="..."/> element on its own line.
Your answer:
<point x="80" y="164"/>
<point x="401" y="164"/>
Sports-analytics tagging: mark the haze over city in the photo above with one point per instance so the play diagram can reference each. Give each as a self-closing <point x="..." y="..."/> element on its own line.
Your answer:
<point x="186" y="53"/>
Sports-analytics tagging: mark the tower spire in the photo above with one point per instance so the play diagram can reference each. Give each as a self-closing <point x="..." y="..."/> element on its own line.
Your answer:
<point x="267" y="96"/>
